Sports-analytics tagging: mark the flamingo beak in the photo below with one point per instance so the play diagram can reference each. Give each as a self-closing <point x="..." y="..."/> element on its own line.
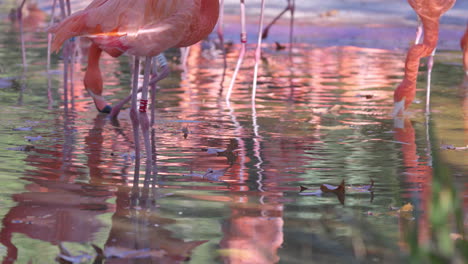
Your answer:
<point x="398" y="108"/>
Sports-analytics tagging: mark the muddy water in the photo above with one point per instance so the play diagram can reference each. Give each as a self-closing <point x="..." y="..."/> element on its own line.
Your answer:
<point x="228" y="175"/>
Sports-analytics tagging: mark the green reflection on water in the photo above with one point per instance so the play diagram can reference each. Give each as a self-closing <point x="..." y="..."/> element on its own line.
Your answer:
<point x="316" y="229"/>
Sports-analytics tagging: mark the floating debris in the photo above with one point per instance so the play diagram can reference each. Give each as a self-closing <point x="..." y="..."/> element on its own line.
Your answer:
<point x="32" y="139"/>
<point x="67" y="258"/>
<point x="186" y="131"/>
<point x="334" y="110"/>
<point x="229" y="153"/>
<point x="22" y="148"/>
<point x="452" y="147"/>
<point x="210" y="174"/>
<point x="5" y="83"/>
<point x="329" y="13"/>
<point x="339" y="191"/>
<point x="214" y="151"/>
<point x="279" y="46"/>
<point x="127" y="156"/>
<point x="22" y="129"/>
<point x="363" y="188"/>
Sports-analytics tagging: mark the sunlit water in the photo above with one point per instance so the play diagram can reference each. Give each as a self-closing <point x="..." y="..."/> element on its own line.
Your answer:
<point x="322" y="116"/>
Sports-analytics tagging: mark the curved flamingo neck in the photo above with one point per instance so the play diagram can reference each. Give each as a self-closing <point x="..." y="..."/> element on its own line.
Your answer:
<point x="407" y="89"/>
<point x="93" y="78"/>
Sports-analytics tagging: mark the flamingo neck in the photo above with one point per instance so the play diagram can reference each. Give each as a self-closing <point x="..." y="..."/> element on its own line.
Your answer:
<point x="93" y="78"/>
<point x="407" y="88"/>
<point x="94" y="54"/>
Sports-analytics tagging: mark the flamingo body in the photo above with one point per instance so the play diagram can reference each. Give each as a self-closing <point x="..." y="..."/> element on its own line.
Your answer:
<point x="138" y="27"/>
<point x="141" y="27"/>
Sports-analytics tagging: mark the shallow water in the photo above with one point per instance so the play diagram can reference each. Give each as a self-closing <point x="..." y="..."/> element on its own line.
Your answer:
<point x="228" y="175"/>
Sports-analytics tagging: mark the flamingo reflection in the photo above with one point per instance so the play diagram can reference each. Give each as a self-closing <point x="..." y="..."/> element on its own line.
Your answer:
<point x="418" y="177"/>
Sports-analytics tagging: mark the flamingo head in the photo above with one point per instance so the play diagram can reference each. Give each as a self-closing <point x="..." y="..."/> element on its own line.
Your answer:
<point x="403" y="97"/>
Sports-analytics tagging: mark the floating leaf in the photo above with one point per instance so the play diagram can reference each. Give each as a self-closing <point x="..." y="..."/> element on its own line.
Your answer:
<point x="335" y="109"/>
<point x="4" y="83"/>
<point x="279" y="46"/>
<point x="339" y="191"/>
<point x="99" y="251"/>
<point x="121" y="252"/>
<point x="22" y="129"/>
<point x="31" y="139"/>
<point x="185" y="130"/>
<point x="329" y="13"/>
<point x="235" y="252"/>
<point x="26" y="148"/>
<point x="211" y="175"/>
<point x="128" y="156"/>
<point x="367" y="96"/>
<point x="331" y="188"/>
<point x="406" y="208"/>
<point x="66" y="257"/>
<point x="363" y="188"/>
<point x="452" y="147"/>
<point x="214" y="151"/>
<point x="228" y="152"/>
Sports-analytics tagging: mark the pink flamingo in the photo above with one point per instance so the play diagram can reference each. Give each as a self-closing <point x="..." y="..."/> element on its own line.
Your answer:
<point x="464" y="46"/>
<point x="140" y="28"/>
<point x="429" y="11"/>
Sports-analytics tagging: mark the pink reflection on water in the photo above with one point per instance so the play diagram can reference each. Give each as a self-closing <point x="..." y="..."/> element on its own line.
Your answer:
<point x="264" y="165"/>
<point x="418" y="175"/>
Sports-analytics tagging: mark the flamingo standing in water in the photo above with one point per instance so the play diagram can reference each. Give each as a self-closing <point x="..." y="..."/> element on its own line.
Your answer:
<point x="140" y="28"/>
<point x="429" y="11"/>
<point x="464" y="46"/>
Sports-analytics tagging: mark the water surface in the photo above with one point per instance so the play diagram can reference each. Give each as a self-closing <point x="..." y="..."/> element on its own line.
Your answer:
<point x="228" y="175"/>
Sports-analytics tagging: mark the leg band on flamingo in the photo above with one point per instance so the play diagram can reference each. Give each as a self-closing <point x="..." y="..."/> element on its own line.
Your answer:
<point x="143" y="105"/>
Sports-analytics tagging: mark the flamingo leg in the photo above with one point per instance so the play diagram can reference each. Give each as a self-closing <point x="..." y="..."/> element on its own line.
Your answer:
<point x="220" y="32"/>
<point x="220" y="29"/>
<point x="143" y="116"/>
<point x="185" y="52"/>
<point x="72" y="71"/>
<point x="292" y="8"/>
<point x="67" y="2"/>
<point x="19" y="15"/>
<point x="65" y="55"/>
<point x="258" y="53"/>
<point x="430" y="64"/>
<point x="164" y="72"/>
<point x="243" y="39"/>
<point x="49" y="52"/>
<point x="156" y="76"/>
<point x="289" y="7"/>
<point x="135" y="121"/>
